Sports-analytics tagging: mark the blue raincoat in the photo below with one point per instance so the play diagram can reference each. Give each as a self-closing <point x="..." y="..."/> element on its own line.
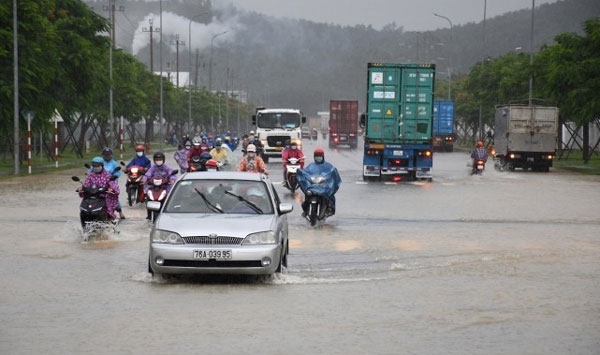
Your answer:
<point x="328" y="189"/>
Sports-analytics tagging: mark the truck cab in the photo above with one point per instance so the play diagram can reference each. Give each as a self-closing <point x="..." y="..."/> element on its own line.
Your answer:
<point x="276" y="126"/>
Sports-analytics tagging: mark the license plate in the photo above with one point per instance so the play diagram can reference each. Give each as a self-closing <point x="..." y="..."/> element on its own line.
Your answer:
<point x="208" y="254"/>
<point x="480" y="167"/>
<point x="530" y="159"/>
<point x="153" y="205"/>
<point x="343" y="138"/>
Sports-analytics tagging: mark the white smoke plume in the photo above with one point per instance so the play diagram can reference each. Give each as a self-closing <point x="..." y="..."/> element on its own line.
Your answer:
<point x="172" y="25"/>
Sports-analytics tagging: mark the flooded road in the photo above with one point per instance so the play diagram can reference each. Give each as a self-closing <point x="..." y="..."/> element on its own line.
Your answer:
<point x="504" y="263"/>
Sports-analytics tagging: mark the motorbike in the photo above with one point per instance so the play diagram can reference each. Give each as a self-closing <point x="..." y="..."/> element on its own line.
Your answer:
<point x="135" y="184"/>
<point x="198" y="162"/>
<point x="478" y="167"/>
<point x="316" y="201"/>
<point x="156" y="195"/>
<point x="92" y="209"/>
<point x="293" y="164"/>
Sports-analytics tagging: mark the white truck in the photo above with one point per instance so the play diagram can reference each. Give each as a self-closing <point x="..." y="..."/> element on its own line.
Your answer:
<point x="275" y="126"/>
<point x="525" y="137"/>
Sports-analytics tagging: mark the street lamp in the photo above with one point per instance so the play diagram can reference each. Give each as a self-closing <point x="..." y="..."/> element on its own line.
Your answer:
<point x="449" y="54"/>
<point x="211" y="59"/>
<point x="212" y="123"/>
<point x="190" y="71"/>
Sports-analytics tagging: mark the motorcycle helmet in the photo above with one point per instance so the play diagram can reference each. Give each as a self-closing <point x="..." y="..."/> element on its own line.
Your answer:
<point x="251" y="148"/>
<point x="212" y="164"/>
<point x="139" y="148"/>
<point x="97" y="164"/>
<point x="196" y="142"/>
<point x="479" y="144"/>
<point x="319" y="156"/>
<point x="107" y="151"/>
<point x="159" y="158"/>
<point x="218" y="142"/>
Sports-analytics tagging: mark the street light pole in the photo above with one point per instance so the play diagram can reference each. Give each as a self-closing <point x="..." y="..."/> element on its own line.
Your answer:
<point x="210" y="60"/>
<point x="161" y="78"/>
<point x="449" y="54"/>
<point x="190" y="71"/>
<point x="531" y="54"/>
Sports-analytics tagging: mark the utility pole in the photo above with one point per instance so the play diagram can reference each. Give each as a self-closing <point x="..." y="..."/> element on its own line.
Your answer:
<point x="16" y="90"/>
<point x="177" y="43"/>
<point x="151" y="30"/>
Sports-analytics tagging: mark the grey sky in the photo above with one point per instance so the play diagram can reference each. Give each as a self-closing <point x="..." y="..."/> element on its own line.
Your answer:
<point x="413" y="15"/>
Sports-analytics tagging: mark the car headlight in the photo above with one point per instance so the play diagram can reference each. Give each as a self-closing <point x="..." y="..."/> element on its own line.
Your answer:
<point x="267" y="237"/>
<point x="165" y="237"/>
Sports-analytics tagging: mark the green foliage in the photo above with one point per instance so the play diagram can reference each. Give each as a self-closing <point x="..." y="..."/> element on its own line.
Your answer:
<point x="569" y="73"/>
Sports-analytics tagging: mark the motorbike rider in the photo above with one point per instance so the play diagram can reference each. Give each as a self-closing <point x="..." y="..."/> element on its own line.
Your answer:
<point x="292" y="152"/>
<point x="251" y="162"/>
<point x="252" y="139"/>
<point x="100" y="176"/>
<point x="322" y="167"/>
<point x="479" y="153"/>
<point x="180" y="156"/>
<point x="140" y="159"/>
<point x="219" y="153"/>
<point x="111" y="165"/>
<point x="160" y="168"/>
<point x="197" y="150"/>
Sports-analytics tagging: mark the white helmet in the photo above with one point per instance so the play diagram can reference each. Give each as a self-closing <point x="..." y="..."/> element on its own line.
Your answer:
<point x="251" y="148"/>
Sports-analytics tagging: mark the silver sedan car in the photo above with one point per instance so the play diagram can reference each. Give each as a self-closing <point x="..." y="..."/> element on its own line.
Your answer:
<point x="220" y="223"/>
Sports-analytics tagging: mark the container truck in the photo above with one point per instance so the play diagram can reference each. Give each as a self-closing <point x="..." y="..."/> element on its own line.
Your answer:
<point x="443" y="125"/>
<point x="343" y="123"/>
<point x="275" y="126"/>
<point x="525" y="137"/>
<point x="398" y="122"/>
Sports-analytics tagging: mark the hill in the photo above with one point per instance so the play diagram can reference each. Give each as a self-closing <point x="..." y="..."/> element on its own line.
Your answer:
<point x="303" y="64"/>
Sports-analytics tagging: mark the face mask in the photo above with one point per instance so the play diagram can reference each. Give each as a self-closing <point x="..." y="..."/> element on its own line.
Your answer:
<point x="97" y="169"/>
<point x="188" y="147"/>
<point x="251" y="138"/>
<point x="318" y="159"/>
<point x="159" y="162"/>
<point x="139" y="154"/>
<point x="294" y="147"/>
<point x="251" y="154"/>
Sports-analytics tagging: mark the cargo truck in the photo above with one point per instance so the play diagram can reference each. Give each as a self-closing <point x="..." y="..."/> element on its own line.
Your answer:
<point x="343" y="123"/>
<point x="443" y="125"/>
<point x="276" y="126"/>
<point x="525" y="137"/>
<point x="398" y="122"/>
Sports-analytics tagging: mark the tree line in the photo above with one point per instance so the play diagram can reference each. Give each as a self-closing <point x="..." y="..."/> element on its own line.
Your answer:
<point x="64" y="52"/>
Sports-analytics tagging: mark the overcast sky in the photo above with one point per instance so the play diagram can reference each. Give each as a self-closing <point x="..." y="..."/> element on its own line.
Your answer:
<point x="413" y="15"/>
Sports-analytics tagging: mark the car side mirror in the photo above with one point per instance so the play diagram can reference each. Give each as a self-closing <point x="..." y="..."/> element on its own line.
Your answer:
<point x="285" y="208"/>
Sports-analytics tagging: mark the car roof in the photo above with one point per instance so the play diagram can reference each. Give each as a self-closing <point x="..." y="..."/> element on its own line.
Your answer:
<point x="224" y="175"/>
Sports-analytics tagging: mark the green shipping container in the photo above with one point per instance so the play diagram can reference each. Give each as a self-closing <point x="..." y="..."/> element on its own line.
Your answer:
<point x="400" y="103"/>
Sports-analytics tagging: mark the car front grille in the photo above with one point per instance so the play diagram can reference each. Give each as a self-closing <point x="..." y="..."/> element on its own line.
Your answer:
<point x="219" y="240"/>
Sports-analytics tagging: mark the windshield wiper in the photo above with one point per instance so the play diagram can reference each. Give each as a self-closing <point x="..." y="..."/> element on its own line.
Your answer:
<point x="249" y="203"/>
<point x="210" y="205"/>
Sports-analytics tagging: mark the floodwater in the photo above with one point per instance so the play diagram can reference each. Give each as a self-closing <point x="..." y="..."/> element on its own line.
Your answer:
<point x="504" y="263"/>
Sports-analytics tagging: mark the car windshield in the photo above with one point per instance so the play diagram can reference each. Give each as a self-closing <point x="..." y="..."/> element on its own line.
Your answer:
<point x="278" y="120"/>
<point x="219" y="196"/>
